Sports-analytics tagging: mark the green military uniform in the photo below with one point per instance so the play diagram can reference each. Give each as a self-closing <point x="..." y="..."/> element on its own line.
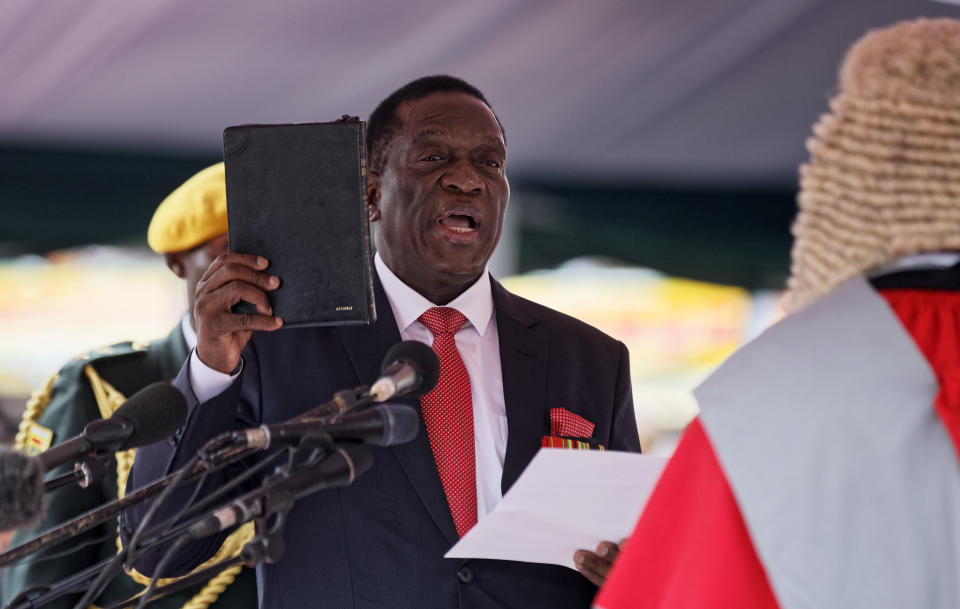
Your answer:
<point x="86" y="389"/>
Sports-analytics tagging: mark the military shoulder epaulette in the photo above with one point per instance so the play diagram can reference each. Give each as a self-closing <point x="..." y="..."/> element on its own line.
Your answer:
<point x="34" y="437"/>
<point x="128" y="347"/>
<point x="101" y="357"/>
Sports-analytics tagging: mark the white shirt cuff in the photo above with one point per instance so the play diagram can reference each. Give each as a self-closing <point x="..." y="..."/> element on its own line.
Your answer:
<point x="207" y="382"/>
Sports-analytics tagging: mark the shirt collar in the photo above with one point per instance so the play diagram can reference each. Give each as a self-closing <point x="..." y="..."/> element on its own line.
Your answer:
<point x="926" y="260"/>
<point x="189" y="334"/>
<point x="476" y="303"/>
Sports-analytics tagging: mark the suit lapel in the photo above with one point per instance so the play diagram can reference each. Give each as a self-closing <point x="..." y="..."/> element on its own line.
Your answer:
<point x="523" y="362"/>
<point x="366" y="346"/>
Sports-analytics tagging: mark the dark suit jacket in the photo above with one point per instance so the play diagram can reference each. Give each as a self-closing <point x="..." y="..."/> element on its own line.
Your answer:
<point x="381" y="541"/>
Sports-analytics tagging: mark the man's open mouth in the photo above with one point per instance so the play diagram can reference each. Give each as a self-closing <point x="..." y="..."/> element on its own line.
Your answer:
<point x="459" y="221"/>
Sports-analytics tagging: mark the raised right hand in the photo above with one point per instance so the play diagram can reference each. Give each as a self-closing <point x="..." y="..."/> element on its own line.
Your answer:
<point x="221" y="334"/>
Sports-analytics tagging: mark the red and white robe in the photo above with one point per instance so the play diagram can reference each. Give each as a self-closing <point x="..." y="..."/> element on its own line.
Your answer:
<point x="822" y="472"/>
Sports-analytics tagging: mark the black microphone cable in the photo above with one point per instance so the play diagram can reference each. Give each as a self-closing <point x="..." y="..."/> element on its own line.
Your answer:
<point x="226" y="488"/>
<point x="128" y="553"/>
<point x="254" y="552"/>
<point x="131" y="552"/>
<point x="80" y="580"/>
<point x="110" y="570"/>
<point x="187" y="581"/>
<point x="313" y="442"/>
<point x="131" y="546"/>
<point x="315" y="454"/>
<point x="161" y="567"/>
<point x="203" y="454"/>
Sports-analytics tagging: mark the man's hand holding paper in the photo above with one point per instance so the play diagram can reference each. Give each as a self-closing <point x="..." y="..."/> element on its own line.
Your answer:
<point x="553" y="510"/>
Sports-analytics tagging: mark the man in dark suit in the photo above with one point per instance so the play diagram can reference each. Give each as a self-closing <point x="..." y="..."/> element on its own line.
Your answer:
<point x="437" y="187"/>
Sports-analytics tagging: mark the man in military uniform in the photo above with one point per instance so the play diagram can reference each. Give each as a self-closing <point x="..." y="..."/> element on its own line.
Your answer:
<point x="189" y="230"/>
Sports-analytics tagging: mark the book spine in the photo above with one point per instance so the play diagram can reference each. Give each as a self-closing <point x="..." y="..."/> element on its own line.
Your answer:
<point x="365" y="224"/>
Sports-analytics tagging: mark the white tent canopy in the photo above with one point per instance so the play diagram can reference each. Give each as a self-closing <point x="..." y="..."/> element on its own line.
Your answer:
<point x="622" y="89"/>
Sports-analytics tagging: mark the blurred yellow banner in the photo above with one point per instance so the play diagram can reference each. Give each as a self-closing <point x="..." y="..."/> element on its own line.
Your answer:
<point x="53" y="308"/>
<point x="677" y="330"/>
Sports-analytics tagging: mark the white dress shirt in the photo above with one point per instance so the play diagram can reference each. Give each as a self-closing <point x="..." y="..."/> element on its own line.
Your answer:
<point x="479" y="345"/>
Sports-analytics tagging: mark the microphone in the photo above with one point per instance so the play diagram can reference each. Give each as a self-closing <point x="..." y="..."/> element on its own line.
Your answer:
<point x="86" y="470"/>
<point x="409" y="367"/>
<point x="21" y="490"/>
<point x="343" y="401"/>
<point x="340" y="467"/>
<point x="148" y="416"/>
<point x="382" y="425"/>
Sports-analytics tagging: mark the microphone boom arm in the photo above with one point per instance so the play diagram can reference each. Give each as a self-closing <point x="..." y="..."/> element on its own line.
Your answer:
<point x="104" y="513"/>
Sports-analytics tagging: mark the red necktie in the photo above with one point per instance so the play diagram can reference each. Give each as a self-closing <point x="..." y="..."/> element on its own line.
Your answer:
<point x="448" y="413"/>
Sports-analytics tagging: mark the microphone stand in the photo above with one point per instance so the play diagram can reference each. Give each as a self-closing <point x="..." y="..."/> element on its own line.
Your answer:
<point x="220" y="454"/>
<point x="80" y="581"/>
<point x="115" y="508"/>
<point x="265" y="548"/>
<point x="87" y="470"/>
<point x="156" y="537"/>
<point x="38" y="596"/>
<point x="342" y="402"/>
<point x="185" y="582"/>
<point x="273" y="500"/>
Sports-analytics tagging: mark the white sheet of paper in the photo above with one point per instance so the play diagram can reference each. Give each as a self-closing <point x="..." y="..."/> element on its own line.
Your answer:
<point x="564" y="501"/>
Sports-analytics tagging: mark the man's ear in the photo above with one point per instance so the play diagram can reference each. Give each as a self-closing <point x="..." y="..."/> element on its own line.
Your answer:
<point x="175" y="264"/>
<point x="373" y="196"/>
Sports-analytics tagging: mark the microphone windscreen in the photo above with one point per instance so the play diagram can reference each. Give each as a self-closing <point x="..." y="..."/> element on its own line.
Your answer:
<point x="156" y="411"/>
<point x="401" y="424"/>
<point x="421" y="357"/>
<point x="21" y="490"/>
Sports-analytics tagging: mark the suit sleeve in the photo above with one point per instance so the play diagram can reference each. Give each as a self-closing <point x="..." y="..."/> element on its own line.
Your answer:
<point x="623" y="430"/>
<point x="237" y="407"/>
<point x="691" y="547"/>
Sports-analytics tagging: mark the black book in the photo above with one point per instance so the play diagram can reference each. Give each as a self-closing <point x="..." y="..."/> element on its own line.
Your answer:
<point x="296" y="194"/>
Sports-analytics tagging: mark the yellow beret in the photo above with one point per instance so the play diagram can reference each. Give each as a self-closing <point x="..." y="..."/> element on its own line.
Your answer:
<point x="192" y="214"/>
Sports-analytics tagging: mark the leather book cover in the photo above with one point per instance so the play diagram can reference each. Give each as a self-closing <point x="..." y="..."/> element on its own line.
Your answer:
<point x="296" y="194"/>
